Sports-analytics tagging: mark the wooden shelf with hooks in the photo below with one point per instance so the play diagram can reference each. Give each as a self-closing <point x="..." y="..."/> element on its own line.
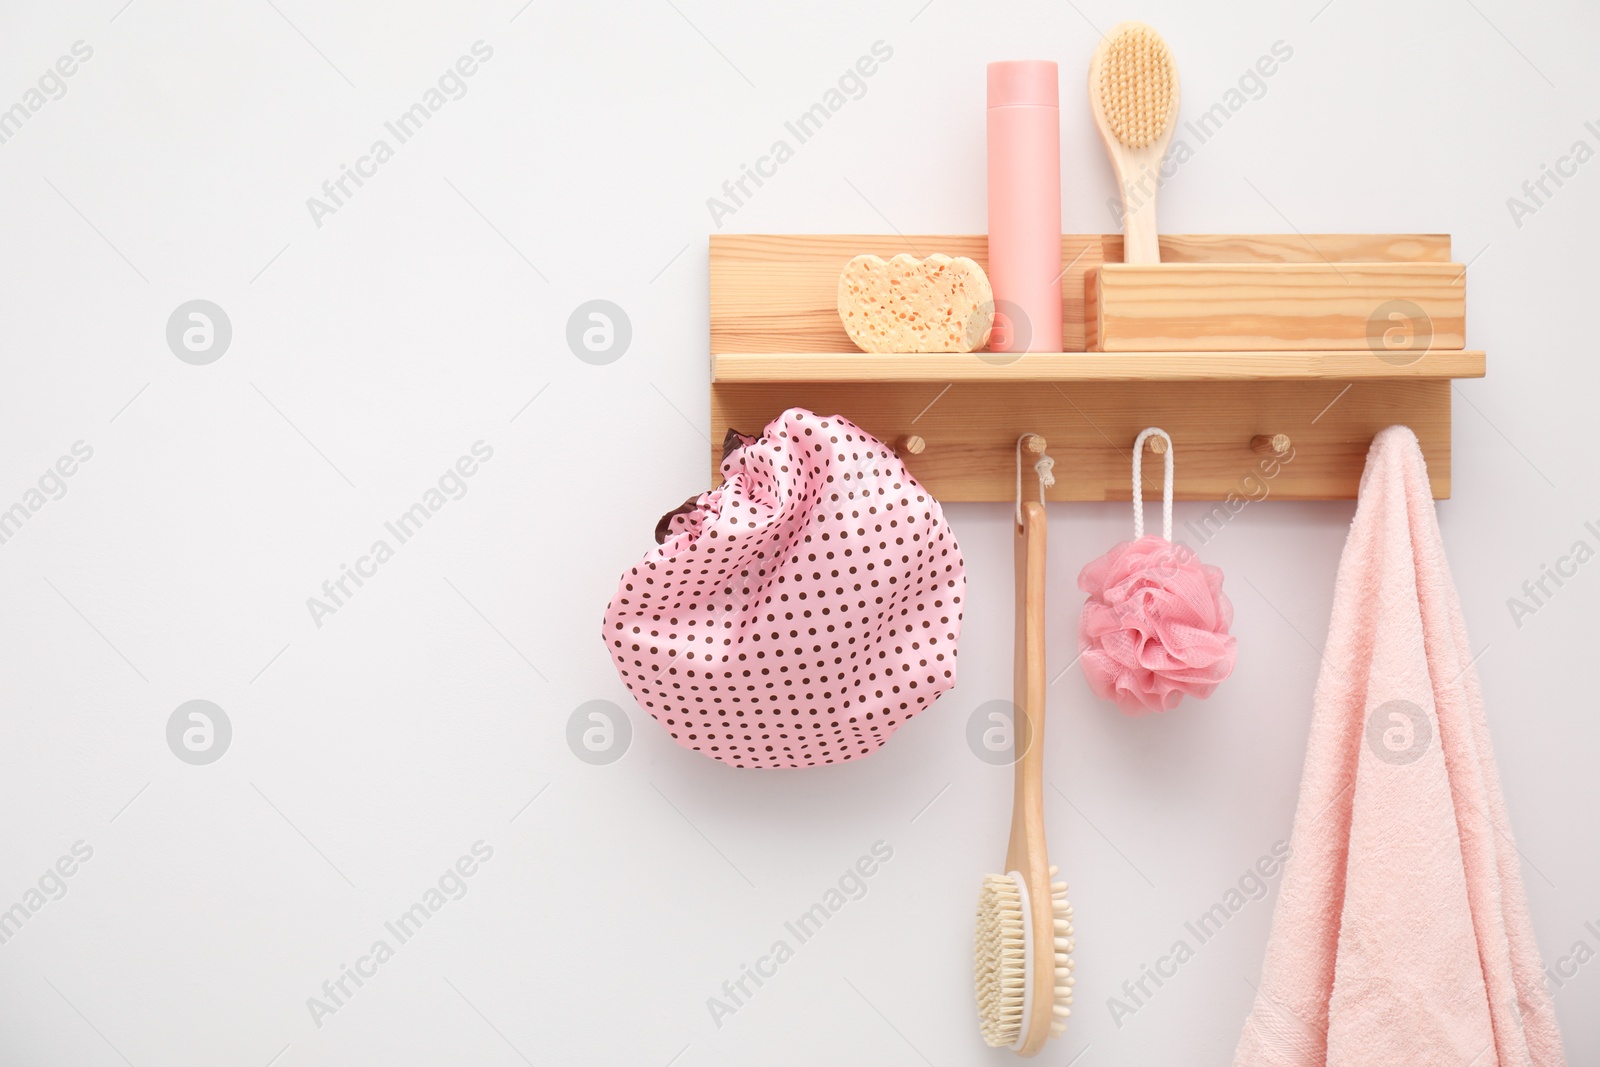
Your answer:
<point x="776" y="342"/>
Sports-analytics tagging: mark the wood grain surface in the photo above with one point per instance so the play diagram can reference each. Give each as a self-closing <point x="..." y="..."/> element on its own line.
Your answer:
<point x="1217" y="307"/>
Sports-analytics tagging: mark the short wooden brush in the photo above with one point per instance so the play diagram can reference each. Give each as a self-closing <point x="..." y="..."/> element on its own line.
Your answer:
<point x="1133" y="94"/>
<point x="1024" y="939"/>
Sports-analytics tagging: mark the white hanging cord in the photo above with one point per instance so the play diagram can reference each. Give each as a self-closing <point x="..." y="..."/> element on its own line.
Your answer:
<point x="1138" y="484"/>
<point x="1045" y="469"/>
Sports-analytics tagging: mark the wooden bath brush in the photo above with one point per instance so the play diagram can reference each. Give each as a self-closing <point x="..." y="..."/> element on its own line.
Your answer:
<point x="1024" y="940"/>
<point x="1133" y="94"/>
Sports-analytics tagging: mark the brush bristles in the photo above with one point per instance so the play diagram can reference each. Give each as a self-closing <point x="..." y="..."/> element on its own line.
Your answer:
<point x="1138" y="82"/>
<point x="1000" y="961"/>
<point x="1066" y="941"/>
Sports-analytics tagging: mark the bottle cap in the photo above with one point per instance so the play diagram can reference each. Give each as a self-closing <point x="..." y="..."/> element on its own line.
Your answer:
<point x="1023" y="81"/>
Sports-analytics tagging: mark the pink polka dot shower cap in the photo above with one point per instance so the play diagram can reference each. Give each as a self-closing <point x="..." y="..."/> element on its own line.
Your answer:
<point x="800" y="612"/>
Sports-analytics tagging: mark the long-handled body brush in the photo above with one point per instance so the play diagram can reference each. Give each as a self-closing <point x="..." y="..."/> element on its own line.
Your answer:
<point x="1024" y="939"/>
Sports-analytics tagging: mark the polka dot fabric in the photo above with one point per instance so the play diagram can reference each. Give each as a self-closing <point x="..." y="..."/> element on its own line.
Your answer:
<point x="800" y="612"/>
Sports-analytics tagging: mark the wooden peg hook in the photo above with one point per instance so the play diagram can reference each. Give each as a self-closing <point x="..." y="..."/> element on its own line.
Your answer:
<point x="1157" y="443"/>
<point x="911" y="445"/>
<point x="1034" y="444"/>
<point x="1270" y="444"/>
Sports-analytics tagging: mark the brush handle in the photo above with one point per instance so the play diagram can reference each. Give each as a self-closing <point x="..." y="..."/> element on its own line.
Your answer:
<point x="1026" y="848"/>
<point x="1138" y="174"/>
<point x="1026" y="853"/>
<point x="1141" y="241"/>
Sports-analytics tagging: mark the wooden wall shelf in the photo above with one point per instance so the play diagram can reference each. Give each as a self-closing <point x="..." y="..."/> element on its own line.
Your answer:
<point x="1084" y="366"/>
<point x="776" y="342"/>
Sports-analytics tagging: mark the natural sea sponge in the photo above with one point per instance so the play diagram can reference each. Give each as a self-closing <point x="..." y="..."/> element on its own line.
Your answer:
<point x="905" y="304"/>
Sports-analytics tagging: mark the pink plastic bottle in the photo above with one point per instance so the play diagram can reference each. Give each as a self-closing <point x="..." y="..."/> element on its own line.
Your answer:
<point x="1025" y="205"/>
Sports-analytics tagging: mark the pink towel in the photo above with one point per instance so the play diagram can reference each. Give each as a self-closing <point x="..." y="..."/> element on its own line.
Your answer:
<point x="1401" y="935"/>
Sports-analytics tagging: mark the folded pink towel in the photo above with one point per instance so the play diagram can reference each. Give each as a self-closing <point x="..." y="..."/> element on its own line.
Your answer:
<point x="1401" y="935"/>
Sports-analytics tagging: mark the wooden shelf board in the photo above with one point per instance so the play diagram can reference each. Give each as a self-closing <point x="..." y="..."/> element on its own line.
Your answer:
<point x="970" y="430"/>
<point x="755" y="367"/>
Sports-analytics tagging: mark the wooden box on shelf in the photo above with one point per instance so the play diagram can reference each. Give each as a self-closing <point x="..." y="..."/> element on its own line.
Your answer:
<point x="1221" y="307"/>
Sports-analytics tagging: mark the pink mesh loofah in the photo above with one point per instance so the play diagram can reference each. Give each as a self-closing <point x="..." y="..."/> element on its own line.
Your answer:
<point x="1155" y="626"/>
<point x="800" y="612"/>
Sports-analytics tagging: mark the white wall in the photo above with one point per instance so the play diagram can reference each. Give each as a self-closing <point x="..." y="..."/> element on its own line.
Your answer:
<point x="370" y="352"/>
